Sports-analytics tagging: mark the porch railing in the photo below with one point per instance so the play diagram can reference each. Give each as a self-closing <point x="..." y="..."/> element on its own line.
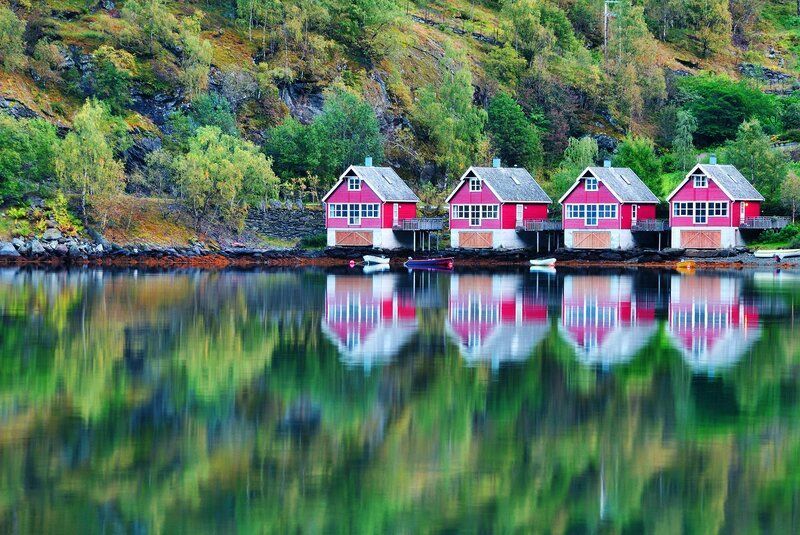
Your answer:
<point x="539" y="225"/>
<point x="764" y="222"/>
<point x="420" y="223"/>
<point x="650" y="225"/>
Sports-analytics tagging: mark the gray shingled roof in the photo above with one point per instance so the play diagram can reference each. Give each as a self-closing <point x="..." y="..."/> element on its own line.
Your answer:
<point x="624" y="183"/>
<point x="386" y="183"/>
<point x="512" y="184"/>
<point x="732" y="181"/>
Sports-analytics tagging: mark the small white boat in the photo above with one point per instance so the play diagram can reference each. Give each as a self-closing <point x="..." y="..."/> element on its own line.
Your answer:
<point x="543" y="262"/>
<point x="780" y="253"/>
<point x="371" y="259"/>
<point x="375" y="268"/>
<point x="547" y="270"/>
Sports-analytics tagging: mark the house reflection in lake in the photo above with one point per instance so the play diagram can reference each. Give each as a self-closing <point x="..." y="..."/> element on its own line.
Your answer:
<point x="367" y="318"/>
<point x="495" y="318"/>
<point x="603" y="320"/>
<point x="709" y="321"/>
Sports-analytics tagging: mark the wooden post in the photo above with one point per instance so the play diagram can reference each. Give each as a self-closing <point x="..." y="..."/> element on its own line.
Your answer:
<point x="659" y="241"/>
<point x="537" y="241"/>
<point x="414" y="234"/>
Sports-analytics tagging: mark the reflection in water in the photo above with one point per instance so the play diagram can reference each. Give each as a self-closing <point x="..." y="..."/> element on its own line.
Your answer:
<point x="709" y="321"/>
<point x="367" y="319"/>
<point x="603" y="320"/>
<point x="187" y="401"/>
<point x="493" y="319"/>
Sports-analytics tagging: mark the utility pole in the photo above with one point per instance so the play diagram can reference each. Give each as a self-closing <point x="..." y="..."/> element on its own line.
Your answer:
<point x="607" y="14"/>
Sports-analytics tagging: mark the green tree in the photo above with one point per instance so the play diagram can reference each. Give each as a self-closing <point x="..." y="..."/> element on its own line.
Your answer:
<point x="292" y="148"/>
<point x="579" y="154"/>
<point x="345" y="133"/>
<point x="720" y="105"/>
<point x="153" y="19"/>
<point x="27" y="150"/>
<point x="12" y="48"/>
<point x="763" y="166"/>
<point x="790" y="193"/>
<point x="683" y="140"/>
<point x="639" y="154"/>
<point x="512" y="135"/>
<point x="212" y="109"/>
<point x="196" y="56"/>
<point x="86" y="163"/>
<point x="223" y="175"/>
<point x="453" y="123"/>
<point x="113" y="70"/>
<point x="711" y="22"/>
<point x="505" y="65"/>
<point x="360" y="24"/>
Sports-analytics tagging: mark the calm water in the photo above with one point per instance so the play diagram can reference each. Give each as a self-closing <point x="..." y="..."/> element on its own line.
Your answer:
<point x="311" y="401"/>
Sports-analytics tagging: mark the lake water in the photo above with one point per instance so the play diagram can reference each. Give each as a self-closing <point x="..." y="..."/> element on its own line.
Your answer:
<point x="313" y="401"/>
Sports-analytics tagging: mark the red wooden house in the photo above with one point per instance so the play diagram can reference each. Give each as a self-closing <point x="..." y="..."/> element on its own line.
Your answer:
<point x="710" y="205"/>
<point x="493" y="319"/>
<point x="367" y="206"/>
<point x="367" y="319"/>
<point x="603" y="320"/>
<point x="603" y="205"/>
<point x="710" y="323"/>
<point x="490" y="205"/>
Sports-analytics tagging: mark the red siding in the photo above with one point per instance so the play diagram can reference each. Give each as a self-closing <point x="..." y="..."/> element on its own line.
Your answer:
<point x="530" y="211"/>
<point x="713" y="192"/>
<point x="579" y="195"/>
<point x="342" y="195"/>
<point x="465" y="196"/>
<point x="407" y="210"/>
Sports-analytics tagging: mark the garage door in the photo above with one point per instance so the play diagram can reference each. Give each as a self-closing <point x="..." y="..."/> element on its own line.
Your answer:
<point x="701" y="239"/>
<point x="354" y="238"/>
<point x="475" y="240"/>
<point x="591" y="240"/>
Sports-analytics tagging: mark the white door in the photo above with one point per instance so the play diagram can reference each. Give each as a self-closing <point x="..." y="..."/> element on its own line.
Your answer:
<point x="519" y="214"/>
<point x="634" y="212"/>
<point x="741" y="212"/>
<point x="396" y="215"/>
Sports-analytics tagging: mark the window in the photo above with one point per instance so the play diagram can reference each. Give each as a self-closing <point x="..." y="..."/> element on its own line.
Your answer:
<point x="700" y="181"/>
<point x="634" y="211"/>
<point x="353" y="183"/>
<point x="591" y="215"/>
<point x="683" y="209"/>
<point x="475" y="212"/>
<point x="370" y="211"/>
<point x="337" y="210"/>
<point x="607" y="211"/>
<point x="700" y="213"/>
<point x="591" y="183"/>
<point x="474" y="184"/>
<point x="717" y="209"/>
<point x="353" y="214"/>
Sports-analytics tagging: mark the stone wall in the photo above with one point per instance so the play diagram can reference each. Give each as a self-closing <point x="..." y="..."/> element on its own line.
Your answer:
<point x="286" y="223"/>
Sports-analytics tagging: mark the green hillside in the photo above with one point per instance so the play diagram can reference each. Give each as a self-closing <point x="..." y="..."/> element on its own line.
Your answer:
<point x="217" y="107"/>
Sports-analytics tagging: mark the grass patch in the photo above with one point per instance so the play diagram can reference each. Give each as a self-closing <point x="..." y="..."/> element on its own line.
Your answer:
<point x="146" y="220"/>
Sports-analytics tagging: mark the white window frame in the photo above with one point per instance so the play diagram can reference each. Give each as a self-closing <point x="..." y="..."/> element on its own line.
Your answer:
<point x="475" y="184"/>
<point x="476" y="213"/>
<point x="700" y="218"/>
<point x="634" y="212"/>
<point x="591" y="184"/>
<point x="700" y="181"/>
<point x="353" y="183"/>
<point x="353" y="214"/>
<point x="592" y="215"/>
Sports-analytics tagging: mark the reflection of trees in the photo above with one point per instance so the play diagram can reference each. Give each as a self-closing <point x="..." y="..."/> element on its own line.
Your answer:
<point x="212" y="403"/>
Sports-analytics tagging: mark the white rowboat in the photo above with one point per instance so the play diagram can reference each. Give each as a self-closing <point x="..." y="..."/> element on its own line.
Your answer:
<point x="371" y="259"/>
<point x="780" y="253"/>
<point x="375" y="268"/>
<point x="543" y="262"/>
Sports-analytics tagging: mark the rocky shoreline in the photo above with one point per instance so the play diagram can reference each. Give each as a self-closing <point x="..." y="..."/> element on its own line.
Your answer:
<point x="54" y="249"/>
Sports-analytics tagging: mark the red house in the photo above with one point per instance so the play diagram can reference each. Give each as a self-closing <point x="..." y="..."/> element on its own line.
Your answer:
<point x="490" y="204"/>
<point x="603" y="320"/>
<point x="603" y="205"/>
<point x="366" y="207"/>
<point x="710" y="323"/>
<point x="367" y="319"/>
<point x="494" y="320"/>
<point x="709" y="207"/>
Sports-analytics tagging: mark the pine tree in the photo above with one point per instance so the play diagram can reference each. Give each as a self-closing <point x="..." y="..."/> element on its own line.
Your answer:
<point x="683" y="142"/>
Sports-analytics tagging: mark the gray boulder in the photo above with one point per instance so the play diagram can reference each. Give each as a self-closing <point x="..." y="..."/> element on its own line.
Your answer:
<point x="74" y="252"/>
<point x="8" y="250"/>
<point x="18" y="243"/>
<point x="61" y="249"/>
<point x="37" y="248"/>
<point x="51" y="234"/>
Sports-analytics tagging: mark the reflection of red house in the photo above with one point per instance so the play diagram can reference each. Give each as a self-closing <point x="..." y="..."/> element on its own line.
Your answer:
<point x="492" y="319"/>
<point x="366" y="318"/>
<point x="603" y="321"/>
<point x="710" y="324"/>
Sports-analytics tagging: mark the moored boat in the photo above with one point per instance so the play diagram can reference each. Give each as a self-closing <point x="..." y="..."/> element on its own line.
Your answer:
<point x="777" y="253"/>
<point x="543" y="262"/>
<point x="372" y="259"/>
<point x="430" y="263"/>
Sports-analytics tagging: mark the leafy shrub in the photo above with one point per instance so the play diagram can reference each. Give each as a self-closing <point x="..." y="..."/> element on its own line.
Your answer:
<point x="317" y="241"/>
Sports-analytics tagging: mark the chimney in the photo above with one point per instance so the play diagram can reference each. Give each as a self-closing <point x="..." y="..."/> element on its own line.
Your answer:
<point x="607" y="163"/>
<point x="496" y="163"/>
<point x="712" y="159"/>
<point x="368" y="161"/>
